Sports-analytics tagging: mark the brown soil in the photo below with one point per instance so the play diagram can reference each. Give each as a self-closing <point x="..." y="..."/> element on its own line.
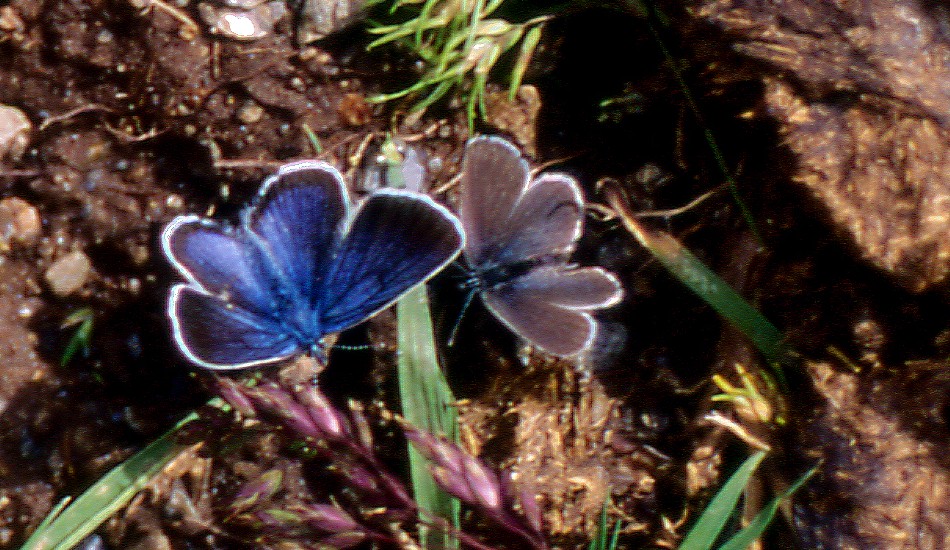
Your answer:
<point x="140" y="114"/>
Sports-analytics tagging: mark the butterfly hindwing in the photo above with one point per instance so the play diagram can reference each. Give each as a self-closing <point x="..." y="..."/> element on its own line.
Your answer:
<point x="550" y="305"/>
<point x="221" y="261"/>
<point x="215" y="334"/>
<point x="554" y="329"/>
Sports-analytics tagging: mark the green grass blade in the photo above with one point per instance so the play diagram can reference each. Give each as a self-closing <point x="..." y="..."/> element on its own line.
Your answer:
<point x="52" y="515"/>
<point x="686" y="267"/>
<point x="528" y="45"/>
<point x="81" y="338"/>
<point x="606" y="538"/>
<point x="427" y="403"/>
<point x="614" y="537"/>
<point x="673" y="63"/>
<point x="708" y="286"/>
<point x="434" y="96"/>
<point x="107" y="495"/>
<point x="744" y="538"/>
<point x="704" y="533"/>
<point x="600" y="541"/>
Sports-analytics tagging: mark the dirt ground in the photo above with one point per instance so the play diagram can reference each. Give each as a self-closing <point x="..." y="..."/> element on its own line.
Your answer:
<point x="139" y="113"/>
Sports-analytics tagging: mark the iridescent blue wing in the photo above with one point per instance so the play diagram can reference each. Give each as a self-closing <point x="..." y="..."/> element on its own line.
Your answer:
<point x="297" y="217"/>
<point x="217" y="335"/>
<point x="396" y="241"/>
<point x="550" y="306"/>
<point x="223" y="262"/>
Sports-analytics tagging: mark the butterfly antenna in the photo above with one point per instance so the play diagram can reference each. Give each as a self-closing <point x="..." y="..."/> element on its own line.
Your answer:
<point x="347" y="347"/>
<point x="458" y="321"/>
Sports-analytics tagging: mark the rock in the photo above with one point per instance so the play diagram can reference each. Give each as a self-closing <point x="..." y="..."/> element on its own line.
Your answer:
<point x="250" y="113"/>
<point x="321" y="18"/>
<point x="69" y="273"/>
<point x="354" y="110"/>
<point x="242" y="20"/>
<point x="20" y="223"/>
<point x="880" y="159"/>
<point x="15" y="130"/>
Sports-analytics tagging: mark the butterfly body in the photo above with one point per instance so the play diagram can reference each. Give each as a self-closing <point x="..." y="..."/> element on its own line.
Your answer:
<point x="299" y="266"/>
<point x="495" y="277"/>
<point x="521" y="233"/>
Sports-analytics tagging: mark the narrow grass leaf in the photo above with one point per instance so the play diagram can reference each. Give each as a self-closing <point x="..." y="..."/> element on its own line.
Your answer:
<point x="704" y="533"/>
<point x="81" y="338"/>
<point x="600" y="541"/>
<point x="606" y="538"/>
<point x="428" y="404"/>
<point x="744" y="538"/>
<point x="674" y="64"/>
<point x="107" y="495"/>
<point x="528" y="46"/>
<point x="53" y="513"/>
<point x="436" y="95"/>
<point x="614" y="537"/>
<point x="686" y="267"/>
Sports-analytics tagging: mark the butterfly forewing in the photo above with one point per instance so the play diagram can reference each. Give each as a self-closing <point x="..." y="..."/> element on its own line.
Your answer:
<point x="297" y="218"/>
<point x="546" y="221"/>
<point x="493" y="178"/>
<point x="222" y="262"/>
<point x="217" y="335"/>
<point x="396" y="241"/>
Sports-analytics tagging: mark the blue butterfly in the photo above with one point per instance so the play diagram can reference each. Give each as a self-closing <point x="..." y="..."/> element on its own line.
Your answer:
<point x="299" y="266"/>
<point x="521" y="232"/>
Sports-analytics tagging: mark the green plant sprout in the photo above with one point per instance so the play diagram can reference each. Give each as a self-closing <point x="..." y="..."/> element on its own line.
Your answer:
<point x="459" y="46"/>
<point x="757" y="398"/>
<point x="83" y="319"/>
<point x="313" y="139"/>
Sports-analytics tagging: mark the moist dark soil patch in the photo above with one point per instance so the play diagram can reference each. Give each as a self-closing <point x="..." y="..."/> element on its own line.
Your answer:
<point x="140" y="114"/>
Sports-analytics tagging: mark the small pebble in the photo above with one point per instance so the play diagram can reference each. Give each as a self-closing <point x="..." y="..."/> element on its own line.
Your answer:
<point x="68" y="273"/>
<point x="242" y="23"/>
<point x="20" y="223"/>
<point x="354" y="110"/>
<point x="250" y="113"/>
<point x="104" y="37"/>
<point x="140" y="254"/>
<point x="242" y="4"/>
<point x="15" y="130"/>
